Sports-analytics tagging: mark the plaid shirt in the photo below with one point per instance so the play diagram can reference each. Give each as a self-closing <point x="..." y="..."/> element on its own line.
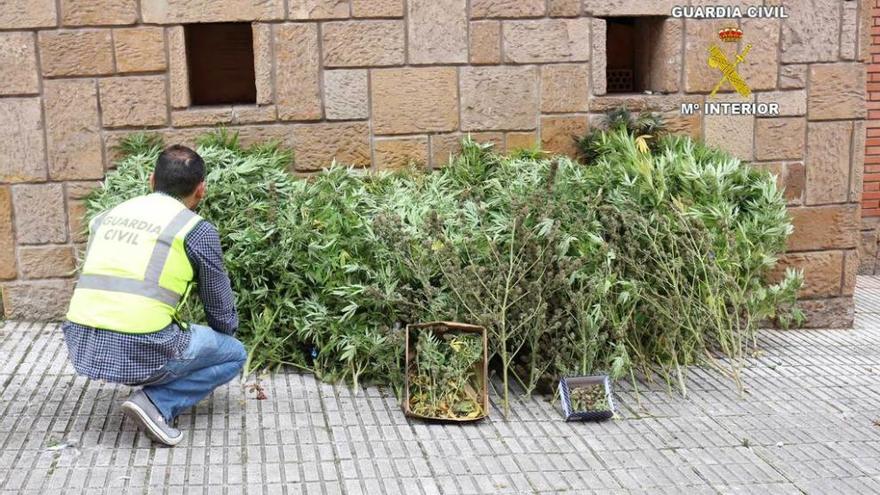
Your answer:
<point x="131" y="359"/>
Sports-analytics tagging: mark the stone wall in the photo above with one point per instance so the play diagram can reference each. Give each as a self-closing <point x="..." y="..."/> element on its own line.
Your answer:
<point x="871" y="191"/>
<point x="376" y="83"/>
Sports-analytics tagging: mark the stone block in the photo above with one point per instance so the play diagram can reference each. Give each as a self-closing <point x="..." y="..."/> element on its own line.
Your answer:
<point x="760" y="69"/>
<point x="565" y="88"/>
<point x="46" y="261"/>
<point x="791" y="103"/>
<point x="133" y="101"/>
<point x="363" y="43"/>
<point x="8" y="266"/>
<point x="73" y="131"/>
<point x="345" y="94"/>
<point x="496" y="139"/>
<point x="318" y="9"/>
<point x="507" y="8"/>
<point x="521" y="141"/>
<point x="485" y="42"/>
<point x="187" y="11"/>
<point x="677" y="123"/>
<point x="318" y="145"/>
<point x="849" y="30"/>
<point x="499" y="98"/>
<point x="633" y="102"/>
<point x="775" y="169"/>
<point x="662" y="63"/>
<point x="837" y="312"/>
<point x="732" y="133"/>
<point x="837" y="91"/>
<point x="780" y="138"/>
<point x="822" y="271"/>
<point x="700" y="35"/>
<point x="866" y="20"/>
<point x="857" y="163"/>
<point x="297" y="63"/>
<point x="445" y="146"/>
<point x="828" y="162"/>
<point x="824" y="227"/>
<point x="41" y="300"/>
<point x="18" y="57"/>
<point x="25" y="14"/>
<point x="39" y="213"/>
<point x="868" y="252"/>
<point x="202" y="116"/>
<point x="795" y="182"/>
<point x="76" y="210"/>
<point x="178" y="75"/>
<point x="250" y="135"/>
<point x="414" y="100"/>
<point x="599" y="64"/>
<point x="812" y="31"/>
<point x="793" y="76"/>
<point x="850" y="271"/>
<point x="629" y="7"/>
<point x="140" y="49"/>
<point x="250" y="114"/>
<point x="377" y="8"/>
<point x="98" y="12"/>
<point x="263" y="70"/>
<point x="398" y="153"/>
<point x="559" y="133"/>
<point x="22" y="155"/>
<point x="86" y="52"/>
<point x="546" y="40"/>
<point x="437" y="31"/>
<point x="563" y="8"/>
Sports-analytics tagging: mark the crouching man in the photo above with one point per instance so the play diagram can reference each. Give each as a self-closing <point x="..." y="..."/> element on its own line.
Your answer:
<point x="142" y="259"/>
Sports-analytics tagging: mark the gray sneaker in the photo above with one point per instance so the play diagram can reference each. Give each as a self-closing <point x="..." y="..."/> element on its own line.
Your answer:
<point x="141" y="410"/>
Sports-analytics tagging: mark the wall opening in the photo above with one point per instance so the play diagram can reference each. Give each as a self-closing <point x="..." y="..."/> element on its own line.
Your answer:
<point x="220" y="63"/>
<point x="633" y="54"/>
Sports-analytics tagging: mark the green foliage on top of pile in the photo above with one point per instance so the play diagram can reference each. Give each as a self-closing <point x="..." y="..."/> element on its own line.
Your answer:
<point x="649" y="258"/>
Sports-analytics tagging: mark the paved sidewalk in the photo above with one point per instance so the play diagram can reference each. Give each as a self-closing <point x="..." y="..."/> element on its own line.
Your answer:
<point x="805" y="426"/>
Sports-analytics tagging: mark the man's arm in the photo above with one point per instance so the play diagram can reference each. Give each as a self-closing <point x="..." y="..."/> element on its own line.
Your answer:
<point x="206" y="256"/>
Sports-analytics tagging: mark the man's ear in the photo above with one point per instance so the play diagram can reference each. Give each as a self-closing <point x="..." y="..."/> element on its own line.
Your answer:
<point x="152" y="182"/>
<point x="200" y="190"/>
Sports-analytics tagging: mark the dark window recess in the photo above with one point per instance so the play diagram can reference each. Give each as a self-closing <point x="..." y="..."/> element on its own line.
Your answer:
<point x="220" y="62"/>
<point x="633" y="45"/>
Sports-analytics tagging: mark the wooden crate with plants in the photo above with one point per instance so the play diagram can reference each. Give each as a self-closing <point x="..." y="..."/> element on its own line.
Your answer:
<point x="446" y="372"/>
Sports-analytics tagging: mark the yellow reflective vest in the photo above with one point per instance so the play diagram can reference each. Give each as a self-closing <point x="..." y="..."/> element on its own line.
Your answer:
<point x="136" y="272"/>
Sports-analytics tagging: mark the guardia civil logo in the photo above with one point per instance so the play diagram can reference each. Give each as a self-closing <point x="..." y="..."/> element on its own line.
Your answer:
<point x="728" y="67"/>
<point x="725" y="58"/>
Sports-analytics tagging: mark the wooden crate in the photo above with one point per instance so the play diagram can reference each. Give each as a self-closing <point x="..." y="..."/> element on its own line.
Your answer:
<point x="481" y="368"/>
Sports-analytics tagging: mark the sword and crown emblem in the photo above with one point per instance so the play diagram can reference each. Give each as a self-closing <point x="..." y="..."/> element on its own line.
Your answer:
<point x="718" y="60"/>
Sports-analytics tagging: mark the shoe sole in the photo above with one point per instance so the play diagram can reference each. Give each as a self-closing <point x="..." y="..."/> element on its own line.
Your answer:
<point x="141" y="418"/>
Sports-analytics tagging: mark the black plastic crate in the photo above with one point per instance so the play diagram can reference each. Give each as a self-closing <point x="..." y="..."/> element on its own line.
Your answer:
<point x="568" y="383"/>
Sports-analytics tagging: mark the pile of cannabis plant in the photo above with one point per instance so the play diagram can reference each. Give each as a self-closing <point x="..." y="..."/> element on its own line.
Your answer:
<point x="653" y="257"/>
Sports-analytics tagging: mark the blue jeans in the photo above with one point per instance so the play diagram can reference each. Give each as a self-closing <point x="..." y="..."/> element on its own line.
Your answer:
<point x="210" y="360"/>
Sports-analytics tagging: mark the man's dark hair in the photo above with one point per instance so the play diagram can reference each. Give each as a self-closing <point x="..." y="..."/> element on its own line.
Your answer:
<point x="179" y="170"/>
